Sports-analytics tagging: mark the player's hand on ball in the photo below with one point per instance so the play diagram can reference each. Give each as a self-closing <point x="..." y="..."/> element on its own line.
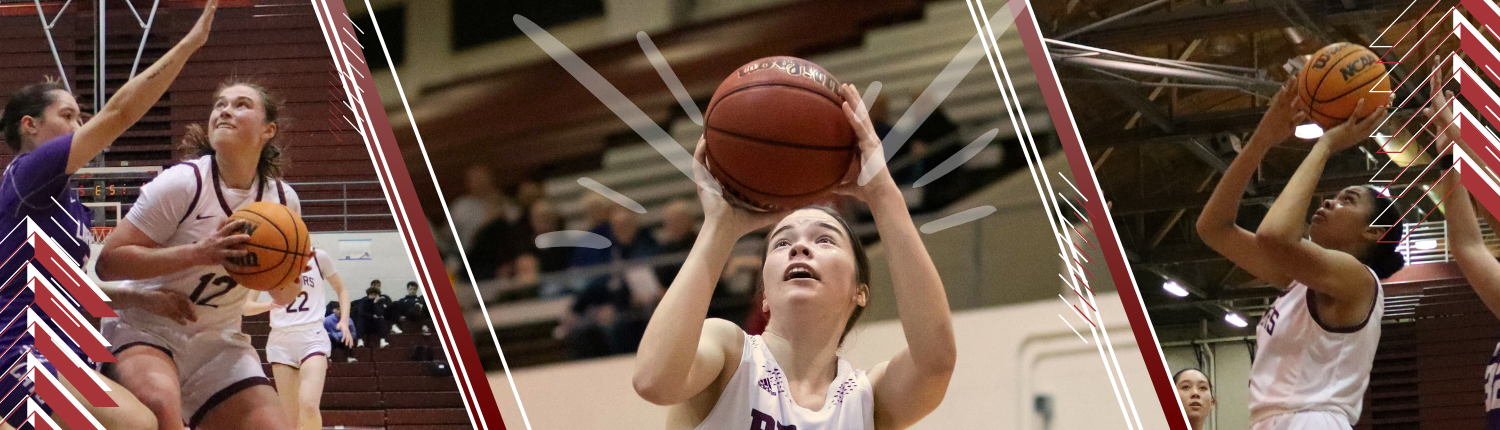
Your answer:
<point x="215" y="249"/>
<point x="1283" y="115"/>
<point x="1353" y="131"/>
<point x="733" y="219"/>
<point x="869" y="175"/>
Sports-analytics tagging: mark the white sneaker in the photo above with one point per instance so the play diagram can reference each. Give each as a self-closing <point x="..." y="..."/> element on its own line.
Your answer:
<point x="426" y="330"/>
<point x="384" y="344"/>
<point x="359" y="344"/>
<point x="395" y="329"/>
<point x="352" y="359"/>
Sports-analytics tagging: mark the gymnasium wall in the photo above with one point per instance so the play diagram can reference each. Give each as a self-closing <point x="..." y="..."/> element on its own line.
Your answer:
<point x="1008" y="355"/>
<point x="387" y="261"/>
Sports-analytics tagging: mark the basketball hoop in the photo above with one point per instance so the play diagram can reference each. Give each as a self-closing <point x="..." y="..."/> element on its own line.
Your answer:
<point x="99" y="234"/>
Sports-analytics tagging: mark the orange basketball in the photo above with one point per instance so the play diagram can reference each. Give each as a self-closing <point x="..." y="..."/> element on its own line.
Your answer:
<point x="278" y="246"/>
<point x="1337" y="78"/>
<point x="775" y="135"/>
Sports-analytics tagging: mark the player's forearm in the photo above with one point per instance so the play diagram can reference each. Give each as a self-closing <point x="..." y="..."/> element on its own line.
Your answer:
<point x="670" y="342"/>
<point x="1223" y="205"/>
<point x="257" y="308"/>
<point x="1284" y="224"/>
<point x="142" y="262"/>
<point x="128" y="105"/>
<point x="921" y="302"/>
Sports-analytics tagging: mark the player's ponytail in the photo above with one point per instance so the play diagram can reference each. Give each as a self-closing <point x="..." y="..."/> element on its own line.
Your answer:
<point x="273" y="162"/>
<point x="1383" y="258"/>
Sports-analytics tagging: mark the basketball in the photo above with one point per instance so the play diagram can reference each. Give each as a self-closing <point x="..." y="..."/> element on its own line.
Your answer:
<point x="278" y="246"/>
<point x="775" y="134"/>
<point x="1337" y="78"/>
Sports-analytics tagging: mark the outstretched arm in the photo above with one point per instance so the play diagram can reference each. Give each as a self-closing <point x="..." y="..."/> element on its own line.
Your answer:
<point x="1467" y="245"/>
<point x="680" y="353"/>
<point x="135" y="98"/>
<point x="1216" y="224"/>
<point x="1280" y="236"/>
<point x="913" y="383"/>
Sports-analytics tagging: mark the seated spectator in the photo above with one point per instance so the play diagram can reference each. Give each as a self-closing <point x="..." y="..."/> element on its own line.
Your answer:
<point x="336" y="337"/>
<point x="480" y="203"/>
<point x="525" y="283"/>
<point x="410" y="308"/>
<point x="544" y="219"/>
<point x="599" y="211"/>
<point x="609" y="314"/>
<point x="369" y="313"/>
<point x="679" y="229"/>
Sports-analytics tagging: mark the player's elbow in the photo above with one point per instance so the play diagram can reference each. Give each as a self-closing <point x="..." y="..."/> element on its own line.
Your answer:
<point x="105" y="268"/>
<point x="1276" y="240"/>
<point x="655" y="389"/>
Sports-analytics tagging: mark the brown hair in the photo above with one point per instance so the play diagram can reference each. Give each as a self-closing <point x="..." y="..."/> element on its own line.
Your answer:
<point x="861" y="271"/>
<point x="31" y="100"/>
<point x="273" y="161"/>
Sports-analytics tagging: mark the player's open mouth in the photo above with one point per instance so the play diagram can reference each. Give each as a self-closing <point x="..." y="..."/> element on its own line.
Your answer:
<point x="800" y="271"/>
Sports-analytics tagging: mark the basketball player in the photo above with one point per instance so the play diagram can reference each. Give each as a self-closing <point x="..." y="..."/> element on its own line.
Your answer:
<point x="1466" y="240"/>
<point x="1329" y="274"/>
<point x="816" y="280"/>
<point x="43" y="124"/>
<point x="1197" y="396"/>
<point x="204" y="373"/>
<point x="298" y="347"/>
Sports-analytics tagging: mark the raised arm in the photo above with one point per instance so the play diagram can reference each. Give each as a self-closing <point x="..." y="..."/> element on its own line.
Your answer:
<point x="913" y="383"/>
<point x="1467" y="245"/>
<point x="681" y="354"/>
<point x="1216" y="224"/>
<point x="1281" y="233"/>
<point x="135" y="98"/>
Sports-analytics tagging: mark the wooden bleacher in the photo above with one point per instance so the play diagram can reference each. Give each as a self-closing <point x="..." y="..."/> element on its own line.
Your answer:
<point x="385" y="388"/>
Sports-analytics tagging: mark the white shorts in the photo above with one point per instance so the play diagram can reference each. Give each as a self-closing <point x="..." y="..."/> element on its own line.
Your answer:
<point x="293" y="345"/>
<point x="1305" y="420"/>
<point x="212" y="366"/>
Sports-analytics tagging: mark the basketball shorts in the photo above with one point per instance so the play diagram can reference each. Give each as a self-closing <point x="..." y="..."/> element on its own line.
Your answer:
<point x="1305" y="420"/>
<point x="293" y="345"/>
<point x="212" y="365"/>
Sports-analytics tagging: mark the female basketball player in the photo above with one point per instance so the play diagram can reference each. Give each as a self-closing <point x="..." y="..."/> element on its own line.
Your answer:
<point x="816" y="281"/>
<point x="205" y="373"/>
<point x="1329" y="272"/>
<point x="43" y="124"/>
<point x="298" y="347"/>
<point x="1196" y="394"/>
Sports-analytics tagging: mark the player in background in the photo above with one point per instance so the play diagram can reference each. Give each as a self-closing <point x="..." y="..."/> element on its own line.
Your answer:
<point x="44" y="126"/>
<point x="816" y="282"/>
<point x="298" y="347"/>
<point x="1196" y="394"/>
<point x="1466" y="240"/>
<point x="1329" y="270"/>
<point x="205" y="374"/>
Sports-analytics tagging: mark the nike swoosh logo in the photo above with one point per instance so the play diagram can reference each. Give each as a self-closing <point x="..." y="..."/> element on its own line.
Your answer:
<point x="203" y="217"/>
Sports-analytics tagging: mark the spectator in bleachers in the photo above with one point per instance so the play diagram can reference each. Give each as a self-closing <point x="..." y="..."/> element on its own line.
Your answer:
<point x="544" y="219"/>
<point x="598" y="209"/>
<point x="330" y="325"/>
<point x="369" y="314"/>
<point x="609" y="315"/>
<point x="494" y="247"/>
<point x="526" y="283"/>
<point x="410" y="308"/>
<point x="679" y="229"/>
<point x="481" y="203"/>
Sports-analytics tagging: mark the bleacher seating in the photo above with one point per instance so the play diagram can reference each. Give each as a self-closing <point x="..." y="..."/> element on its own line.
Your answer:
<point x="386" y="388"/>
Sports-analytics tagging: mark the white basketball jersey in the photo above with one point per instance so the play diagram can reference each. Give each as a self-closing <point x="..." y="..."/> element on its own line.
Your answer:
<point x="757" y="398"/>
<point x="1301" y="365"/>
<point x="183" y="204"/>
<point x="307" y="308"/>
